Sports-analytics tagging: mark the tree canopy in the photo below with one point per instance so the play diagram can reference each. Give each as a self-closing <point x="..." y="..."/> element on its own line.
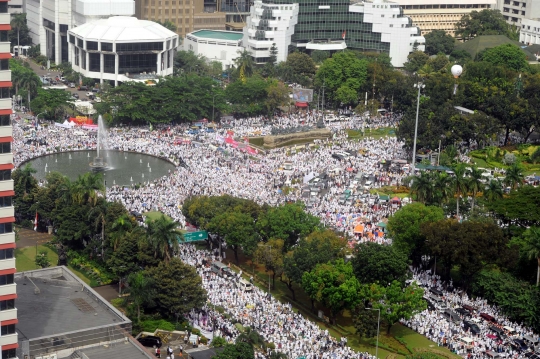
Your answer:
<point x="438" y="41"/>
<point x="485" y="22"/>
<point x="375" y="263"/>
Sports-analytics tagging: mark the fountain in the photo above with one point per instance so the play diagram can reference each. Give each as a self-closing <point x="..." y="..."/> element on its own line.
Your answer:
<point x="148" y="164"/>
<point x="70" y="156"/>
<point x="88" y="155"/>
<point x="56" y="160"/>
<point x="140" y="160"/>
<point x="98" y="165"/>
<point x="149" y="170"/>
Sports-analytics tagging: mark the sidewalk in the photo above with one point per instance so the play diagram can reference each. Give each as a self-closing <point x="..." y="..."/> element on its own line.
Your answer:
<point x="28" y="238"/>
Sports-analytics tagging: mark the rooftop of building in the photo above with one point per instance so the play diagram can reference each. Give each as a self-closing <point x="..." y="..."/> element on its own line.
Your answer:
<point x="52" y="301"/>
<point x="114" y="351"/>
<point x="122" y="29"/>
<point x="218" y="35"/>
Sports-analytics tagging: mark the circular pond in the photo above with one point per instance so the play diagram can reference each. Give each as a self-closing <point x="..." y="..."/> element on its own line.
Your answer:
<point x="125" y="168"/>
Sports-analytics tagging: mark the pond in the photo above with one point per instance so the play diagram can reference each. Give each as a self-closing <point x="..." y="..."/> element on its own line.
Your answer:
<point x="125" y="168"/>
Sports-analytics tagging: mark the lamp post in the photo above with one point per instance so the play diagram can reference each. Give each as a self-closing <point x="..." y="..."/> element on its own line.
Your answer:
<point x="378" y="327"/>
<point x="269" y="247"/>
<point x="213" y="106"/>
<point x="420" y="86"/>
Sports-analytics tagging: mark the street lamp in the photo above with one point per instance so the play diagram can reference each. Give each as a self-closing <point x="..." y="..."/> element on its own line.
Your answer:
<point x="420" y="86"/>
<point x="213" y="106"/>
<point x="378" y="327"/>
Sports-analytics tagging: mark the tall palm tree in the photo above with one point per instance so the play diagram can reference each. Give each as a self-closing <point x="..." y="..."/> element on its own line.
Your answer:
<point x="18" y="21"/>
<point x="514" y="176"/>
<point x="120" y="227"/>
<point x="475" y="183"/>
<point x="422" y="186"/>
<point x="493" y="191"/>
<point x="461" y="184"/>
<point x="140" y="290"/>
<point x="442" y="187"/>
<point x="532" y="247"/>
<point x="163" y="237"/>
<point x="30" y="82"/>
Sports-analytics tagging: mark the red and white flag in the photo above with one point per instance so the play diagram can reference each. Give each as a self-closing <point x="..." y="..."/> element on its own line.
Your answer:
<point x="343" y="34"/>
<point x="35" y="222"/>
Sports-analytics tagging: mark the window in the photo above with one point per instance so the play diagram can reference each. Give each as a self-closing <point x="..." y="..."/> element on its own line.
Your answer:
<point x="71" y="39"/>
<point x="108" y="64"/>
<point x="8" y="329"/>
<point x="5" y="120"/>
<point x="4" y="36"/>
<point x="5" y="175"/>
<point x="5" y="92"/>
<point x="6" y="253"/>
<point x="5" y="147"/>
<point x="77" y="56"/>
<point x="94" y="60"/>
<point x="5" y="201"/>
<point x="80" y="43"/>
<point x="6" y="279"/>
<point x="6" y="228"/>
<point x="91" y="45"/>
<point x="9" y="353"/>
<point x="4" y="64"/>
<point x="106" y="46"/>
<point x="3" y="7"/>
<point x="83" y="59"/>
<point x="139" y="46"/>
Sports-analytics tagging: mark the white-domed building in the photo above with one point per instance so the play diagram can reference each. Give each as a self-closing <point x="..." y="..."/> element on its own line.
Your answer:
<point x="122" y="48"/>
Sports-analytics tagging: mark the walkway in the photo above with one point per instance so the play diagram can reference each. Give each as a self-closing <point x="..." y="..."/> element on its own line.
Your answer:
<point x="29" y="238"/>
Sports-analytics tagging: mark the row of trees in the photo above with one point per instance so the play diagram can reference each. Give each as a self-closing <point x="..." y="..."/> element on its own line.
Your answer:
<point x="293" y="246"/>
<point x="105" y="233"/>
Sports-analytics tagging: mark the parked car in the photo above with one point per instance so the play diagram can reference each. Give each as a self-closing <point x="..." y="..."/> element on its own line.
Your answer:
<point x="83" y="88"/>
<point x="488" y="317"/>
<point x="72" y="85"/>
<point x="95" y="89"/>
<point x="150" y="341"/>
<point x="468" y="325"/>
<point x="519" y="345"/>
<point x="76" y="95"/>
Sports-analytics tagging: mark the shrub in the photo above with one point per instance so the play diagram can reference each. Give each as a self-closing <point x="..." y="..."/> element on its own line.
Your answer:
<point x="195" y="331"/>
<point x="218" y="342"/>
<point x="509" y="158"/>
<point x="535" y="157"/>
<point x="203" y="340"/>
<point x="152" y="325"/>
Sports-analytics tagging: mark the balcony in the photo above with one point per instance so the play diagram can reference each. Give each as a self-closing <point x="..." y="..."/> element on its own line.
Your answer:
<point x="8" y="314"/>
<point x="8" y="289"/>
<point x="5" y="19"/>
<point x="6" y="185"/>
<point x="7" y="263"/>
<point x="6" y="158"/>
<point x="7" y="212"/>
<point x="4" y="47"/>
<point x="6" y="131"/>
<point x="5" y="75"/>
<point x="8" y="339"/>
<point x="7" y="238"/>
<point x="5" y="103"/>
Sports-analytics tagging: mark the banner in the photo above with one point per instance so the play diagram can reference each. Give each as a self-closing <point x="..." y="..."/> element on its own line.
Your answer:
<point x="81" y="120"/>
<point x="302" y="95"/>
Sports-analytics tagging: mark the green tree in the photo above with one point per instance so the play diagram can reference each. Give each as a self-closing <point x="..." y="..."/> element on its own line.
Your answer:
<point x="236" y="351"/>
<point x="250" y="337"/>
<point x="273" y="54"/>
<point x="87" y="188"/>
<point x="404" y="227"/>
<point x="20" y="29"/>
<point x="475" y="183"/>
<point x="278" y="95"/>
<point x="238" y="229"/>
<point x="42" y="259"/>
<point x="423" y="187"/>
<point x="30" y="82"/>
<point x="244" y="64"/>
<point x="345" y="71"/>
<point x="271" y="256"/>
<point x="415" y="60"/>
<point x="507" y="55"/>
<point x="514" y="175"/>
<point x="248" y="98"/>
<point x="317" y="248"/>
<point x="301" y="64"/>
<point x="178" y="287"/>
<point x="51" y="103"/>
<point x="461" y="184"/>
<point x="124" y="259"/>
<point x="394" y="301"/>
<point x="188" y="62"/>
<point x="334" y="285"/>
<point x="163" y="237"/>
<point x="493" y="191"/>
<point x="519" y="208"/>
<point x="140" y="291"/>
<point x="532" y="247"/>
<point x="439" y="41"/>
<point x="375" y="263"/>
<point x="485" y="22"/>
<point x="365" y="321"/>
<point x="319" y="56"/>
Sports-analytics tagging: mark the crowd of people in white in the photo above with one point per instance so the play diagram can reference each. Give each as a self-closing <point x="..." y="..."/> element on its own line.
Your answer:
<point x="209" y="166"/>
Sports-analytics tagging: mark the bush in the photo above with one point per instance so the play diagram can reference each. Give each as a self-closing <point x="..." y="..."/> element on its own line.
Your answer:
<point x="509" y="158"/>
<point x="152" y="325"/>
<point x="195" y="331"/>
<point x="42" y="260"/>
<point x="203" y="340"/>
<point x="218" y="342"/>
<point x="535" y="157"/>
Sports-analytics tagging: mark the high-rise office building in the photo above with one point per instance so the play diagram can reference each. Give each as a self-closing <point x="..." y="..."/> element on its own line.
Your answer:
<point x="8" y="311"/>
<point x="186" y="15"/>
<point x="331" y="25"/>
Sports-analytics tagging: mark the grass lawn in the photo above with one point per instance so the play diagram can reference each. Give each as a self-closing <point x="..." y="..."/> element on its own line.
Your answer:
<point x="25" y="261"/>
<point x="153" y="215"/>
<point x="378" y="133"/>
<point x="388" y="344"/>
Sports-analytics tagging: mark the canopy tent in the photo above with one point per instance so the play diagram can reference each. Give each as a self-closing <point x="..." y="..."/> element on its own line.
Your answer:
<point x="301" y="104"/>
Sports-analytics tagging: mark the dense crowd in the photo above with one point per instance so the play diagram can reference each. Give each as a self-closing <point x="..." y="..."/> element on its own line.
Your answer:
<point x="208" y="165"/>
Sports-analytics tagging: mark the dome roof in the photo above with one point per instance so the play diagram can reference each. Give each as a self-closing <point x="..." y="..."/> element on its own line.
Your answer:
<point x="122" y="29"/>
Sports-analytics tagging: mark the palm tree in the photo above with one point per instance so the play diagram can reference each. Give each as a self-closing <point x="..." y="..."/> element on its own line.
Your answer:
<point x="532" y="247"/>
<point x="422" y="185"/>
<point x="140" y="290"/>
<point x="120" y="227"/>
<point x="475" y="183"/>
<point x="493" y="191"/>
<point x="87" y="188"/>
<point x="30" y="82"/>
<point x="27" y="180"/>
<point x="442" y="187"/>
<point x="514" y="176"/>
<point x="244" y="62"/>
<point x="251" y="337"/>
<point x="163" y="237"/>
<point x="460" y="184"/>
<point x="99" y="214"/>
<point x="18" y="21"/>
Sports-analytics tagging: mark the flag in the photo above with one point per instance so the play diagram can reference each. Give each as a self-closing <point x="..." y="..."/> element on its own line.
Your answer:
<point x="35" y="222"/>
<point x="343" y="34"/>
